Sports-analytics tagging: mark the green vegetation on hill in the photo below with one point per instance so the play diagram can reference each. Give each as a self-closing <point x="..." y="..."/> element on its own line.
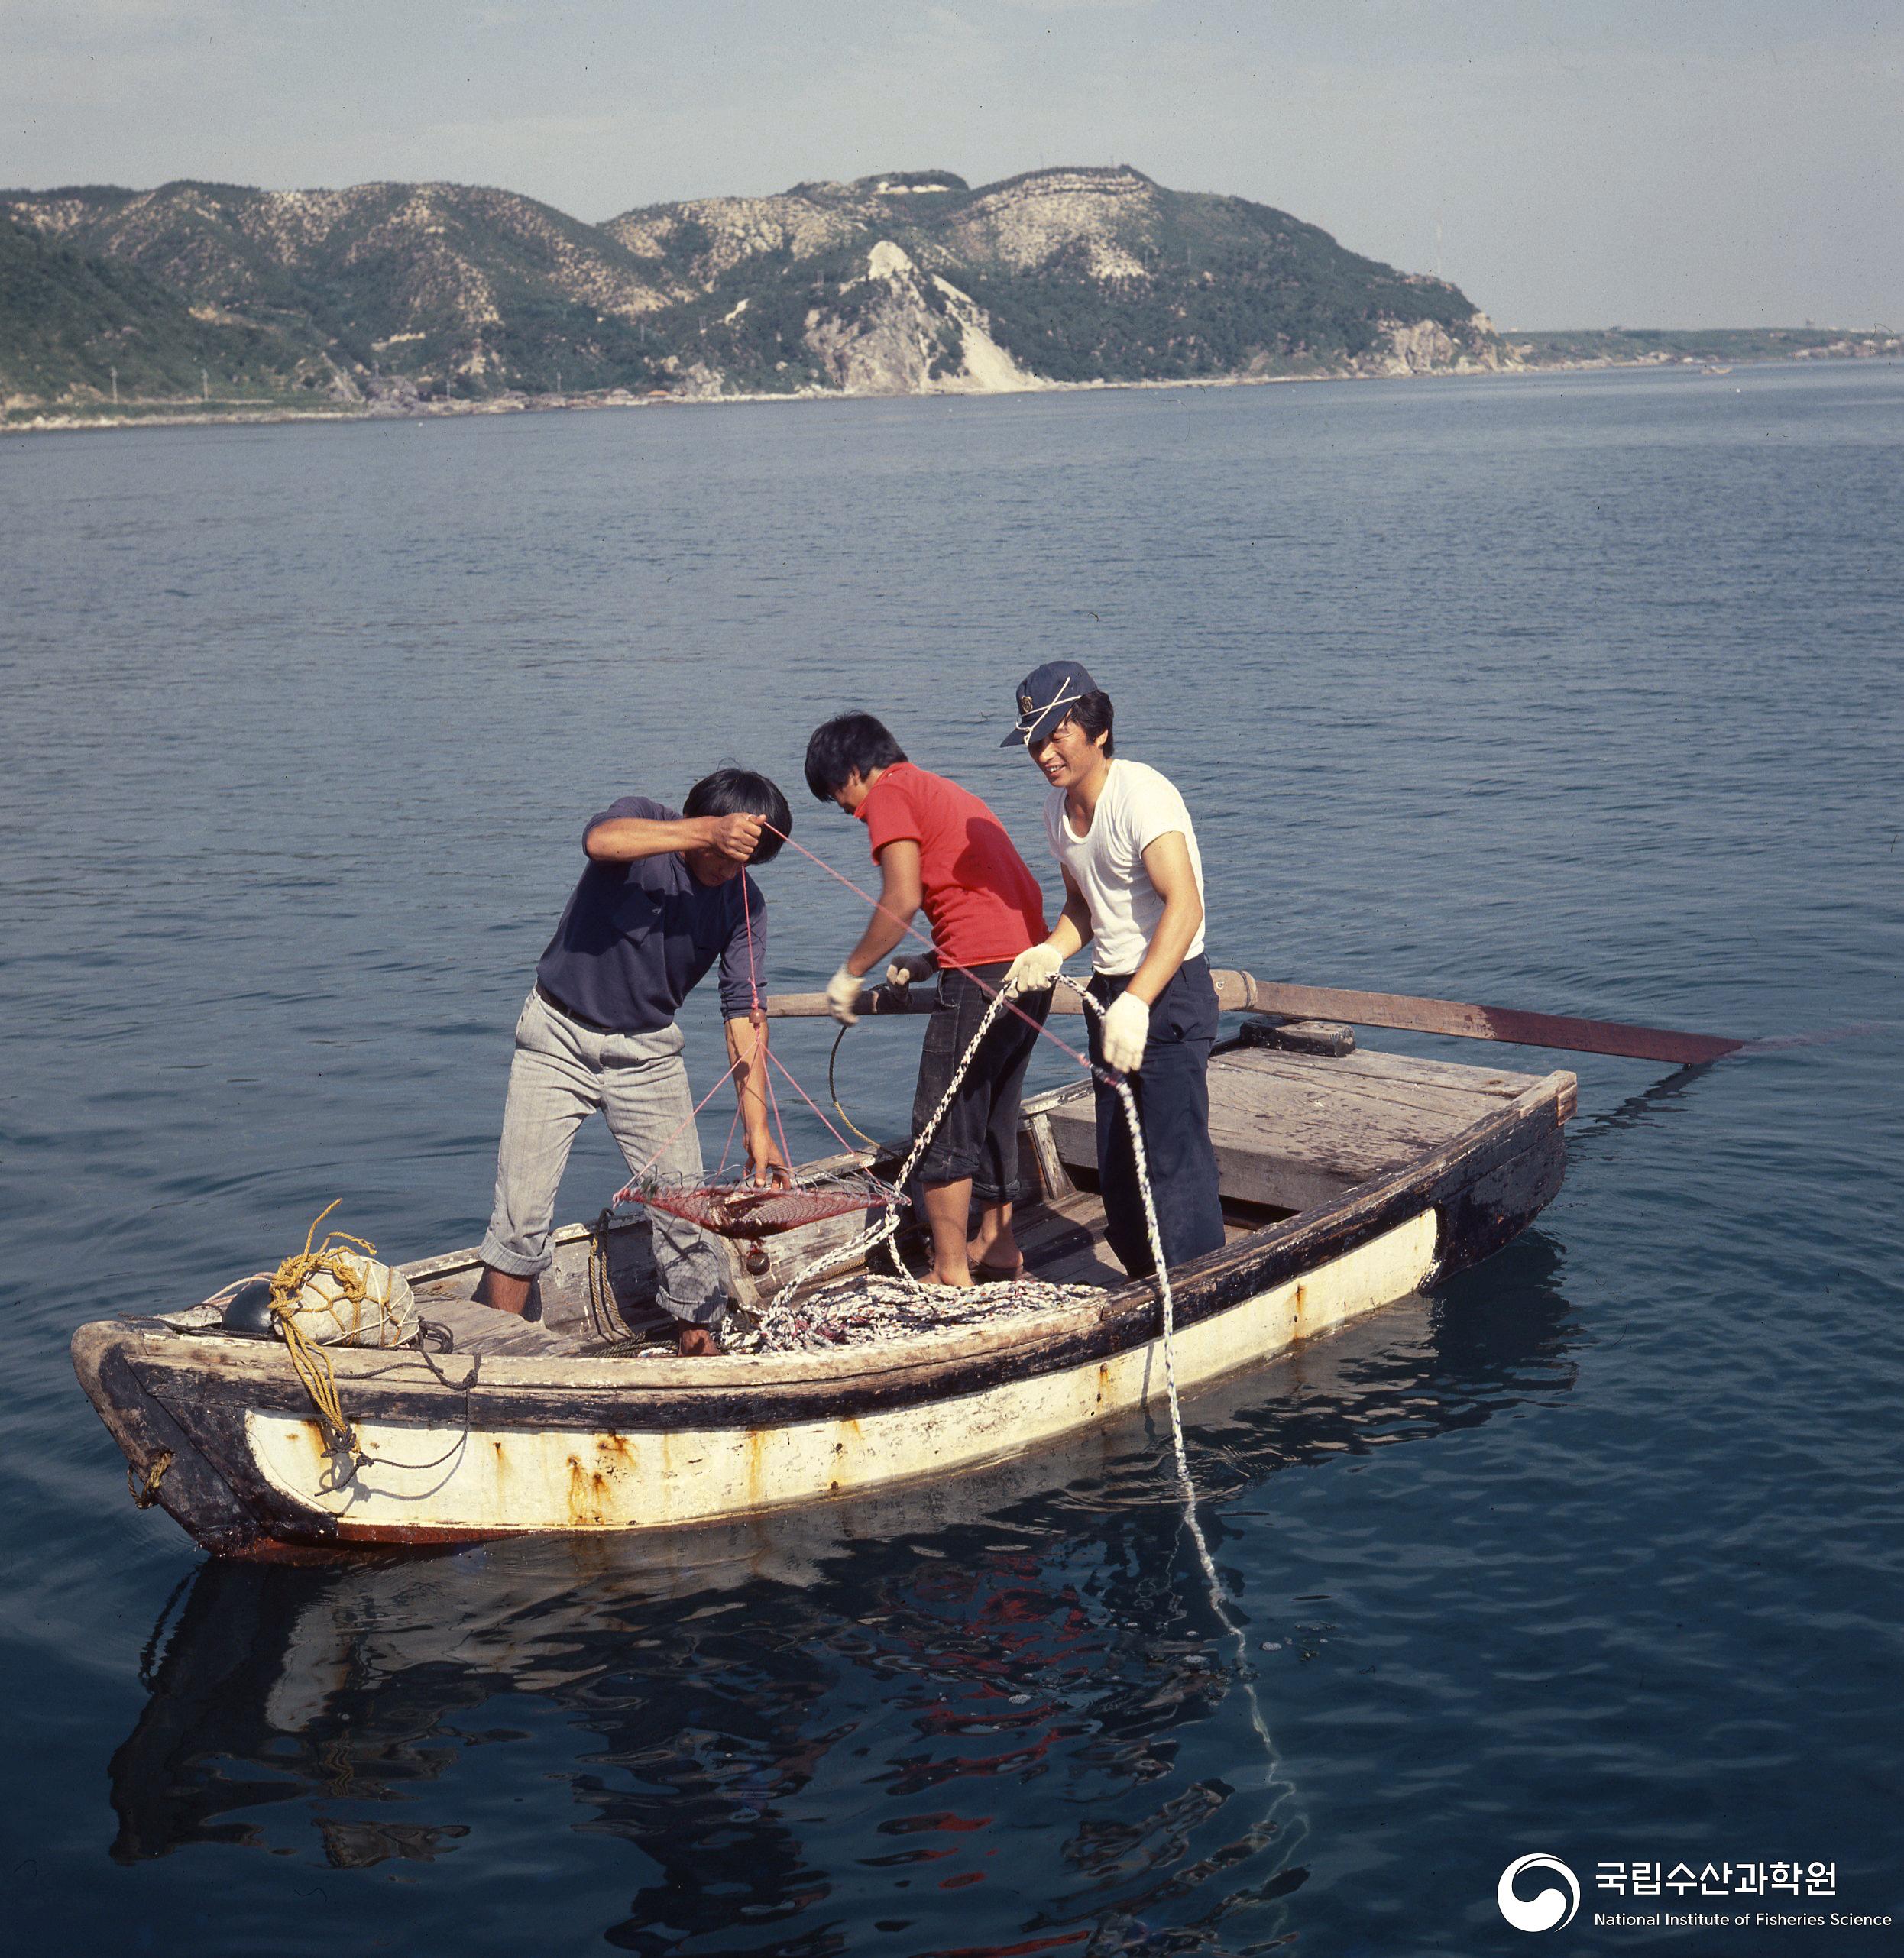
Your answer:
<point x="68" y="320"/>
<point x="1226" y="287"/>
<point x="446" y="290"/>
<point x="467" y="290"/>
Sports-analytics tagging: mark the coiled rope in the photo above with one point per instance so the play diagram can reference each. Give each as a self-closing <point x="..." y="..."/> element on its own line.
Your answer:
<point x="336" y="1259"/>
<point x="309" y="1360"/>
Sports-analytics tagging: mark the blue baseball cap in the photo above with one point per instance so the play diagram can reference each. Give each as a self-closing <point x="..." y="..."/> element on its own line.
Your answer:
<point x="1046" y="695"/>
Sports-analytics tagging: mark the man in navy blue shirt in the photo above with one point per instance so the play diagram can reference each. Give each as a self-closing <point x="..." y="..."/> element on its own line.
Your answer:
<point x="665" y="895"/>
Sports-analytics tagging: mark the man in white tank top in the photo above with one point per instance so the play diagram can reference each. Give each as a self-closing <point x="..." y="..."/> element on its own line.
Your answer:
<point x="1134" y="893"/>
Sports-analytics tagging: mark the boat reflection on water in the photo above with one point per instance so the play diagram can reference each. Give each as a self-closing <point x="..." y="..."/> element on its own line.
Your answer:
<point x="1018" y="1681"/>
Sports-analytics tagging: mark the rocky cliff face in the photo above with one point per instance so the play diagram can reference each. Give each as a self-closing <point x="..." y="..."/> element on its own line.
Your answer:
<point x="1426" y="346"/>
<point x="899" y="331"/>
<point x="908" y="282"/>
<point x="1081" y="274"/>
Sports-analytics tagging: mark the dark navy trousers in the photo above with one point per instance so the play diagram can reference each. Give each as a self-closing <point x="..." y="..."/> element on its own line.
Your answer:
<point x="1172" y="1089"/>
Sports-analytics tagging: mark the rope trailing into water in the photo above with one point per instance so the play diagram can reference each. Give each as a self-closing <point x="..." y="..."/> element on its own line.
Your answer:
<point x="1219" y="1597"/>
<point x="886" y="1230"/>
<point x="1166" y="1298"/>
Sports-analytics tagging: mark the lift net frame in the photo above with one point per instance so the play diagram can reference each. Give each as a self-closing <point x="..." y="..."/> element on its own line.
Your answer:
<point x="737" y="1207"/>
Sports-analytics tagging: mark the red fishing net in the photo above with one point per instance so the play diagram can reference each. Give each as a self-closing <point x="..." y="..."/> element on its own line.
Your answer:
<point x="763" y="1210"/>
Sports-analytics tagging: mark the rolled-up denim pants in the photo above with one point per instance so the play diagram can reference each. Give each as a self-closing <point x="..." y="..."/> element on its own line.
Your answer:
<point x="562" y="1073"/>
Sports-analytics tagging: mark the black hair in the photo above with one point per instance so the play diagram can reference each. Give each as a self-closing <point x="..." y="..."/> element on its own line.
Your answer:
<point x="847" y="745"/>
<point x="741" y="792"/>
<point x="1094" y="713"/>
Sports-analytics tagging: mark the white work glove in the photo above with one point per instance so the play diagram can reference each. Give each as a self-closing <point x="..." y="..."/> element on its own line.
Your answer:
<point x="910" y="966"/>
<point x="842" y="994"/>
<point x="1127" y="1026"/>
<point x="1034" y="970"/>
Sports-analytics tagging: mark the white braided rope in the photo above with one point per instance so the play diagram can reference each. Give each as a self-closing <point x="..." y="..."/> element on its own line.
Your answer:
<point x="887" y="1228"/>
<point x="1219" y="1598"/>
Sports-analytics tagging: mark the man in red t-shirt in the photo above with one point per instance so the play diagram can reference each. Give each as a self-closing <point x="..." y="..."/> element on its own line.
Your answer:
<point x="938" y="845"/>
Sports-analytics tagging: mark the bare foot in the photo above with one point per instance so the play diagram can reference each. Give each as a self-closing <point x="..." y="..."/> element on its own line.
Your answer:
<point x="695" y="1342"/>
<point x="991" y="1248"/>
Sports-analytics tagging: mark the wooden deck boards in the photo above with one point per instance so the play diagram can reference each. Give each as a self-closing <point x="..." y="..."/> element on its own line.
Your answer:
<point x="1292" y="1130"/>
<point x="483" y="1329"/>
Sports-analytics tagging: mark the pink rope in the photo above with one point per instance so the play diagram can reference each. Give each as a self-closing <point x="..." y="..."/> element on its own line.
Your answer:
<point x="773" y="1102"/>
<point x="620" y="1195"/>
<point x="811" y="1103"/>
<point x="746" y="915"/>
<point x="907" y="926"/>
<point x="757" y="1019"/>
<point x="726" y="1147"/>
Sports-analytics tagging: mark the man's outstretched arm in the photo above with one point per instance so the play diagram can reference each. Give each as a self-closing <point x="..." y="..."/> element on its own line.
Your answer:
<point x="626" y="839"/>
<point x="901" y="891"/>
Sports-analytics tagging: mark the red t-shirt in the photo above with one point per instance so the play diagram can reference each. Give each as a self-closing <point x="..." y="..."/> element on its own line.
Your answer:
<point x="983" y="900"/>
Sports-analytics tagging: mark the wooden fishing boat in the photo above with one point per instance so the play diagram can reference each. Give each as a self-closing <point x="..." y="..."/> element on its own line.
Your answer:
<point x="1350" y="1179"/>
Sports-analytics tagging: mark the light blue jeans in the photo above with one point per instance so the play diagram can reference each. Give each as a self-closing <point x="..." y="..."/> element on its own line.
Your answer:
<point x="562" y="1073"/>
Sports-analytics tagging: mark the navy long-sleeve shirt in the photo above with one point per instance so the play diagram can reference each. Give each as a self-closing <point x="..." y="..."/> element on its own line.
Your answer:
<point x="637" y="938"/>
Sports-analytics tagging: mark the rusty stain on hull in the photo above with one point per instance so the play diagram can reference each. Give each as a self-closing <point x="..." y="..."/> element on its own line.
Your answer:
<point x="540" y="1480"/>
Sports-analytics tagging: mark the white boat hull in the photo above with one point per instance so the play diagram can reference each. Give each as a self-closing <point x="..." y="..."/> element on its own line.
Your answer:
<point x="421" y="1481"/>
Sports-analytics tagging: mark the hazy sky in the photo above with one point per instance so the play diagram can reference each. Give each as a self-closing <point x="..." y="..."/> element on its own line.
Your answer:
<point x="1671" y="163"/>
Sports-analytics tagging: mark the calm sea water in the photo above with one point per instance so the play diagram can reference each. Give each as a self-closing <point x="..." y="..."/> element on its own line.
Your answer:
<point x="1577" y="694"/>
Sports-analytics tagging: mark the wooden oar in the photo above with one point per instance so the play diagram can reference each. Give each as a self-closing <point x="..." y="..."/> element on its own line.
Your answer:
<point x="1239" y="992"/>
<point x="1483" y="1023"/>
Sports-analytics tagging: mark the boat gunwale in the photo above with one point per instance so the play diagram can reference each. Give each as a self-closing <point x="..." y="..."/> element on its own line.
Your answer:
<point x="1123" y="1317"/>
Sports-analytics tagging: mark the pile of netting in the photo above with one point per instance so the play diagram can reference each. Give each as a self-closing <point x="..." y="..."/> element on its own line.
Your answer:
<point x="735" y="1207"/>
<point x="869" y="1310"/>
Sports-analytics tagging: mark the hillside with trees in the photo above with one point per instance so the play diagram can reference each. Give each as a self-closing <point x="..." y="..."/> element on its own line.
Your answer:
<point x="77" y="327"/>
<point x="399" y="294"/>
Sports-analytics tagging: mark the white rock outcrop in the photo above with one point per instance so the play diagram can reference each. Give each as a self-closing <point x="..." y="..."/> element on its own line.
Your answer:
<point x="1425" y="346"/>
<point x="899" y="330"/>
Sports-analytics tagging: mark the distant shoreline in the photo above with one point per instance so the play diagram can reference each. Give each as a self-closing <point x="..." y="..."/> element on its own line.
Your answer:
<point x="239" y="415"/>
